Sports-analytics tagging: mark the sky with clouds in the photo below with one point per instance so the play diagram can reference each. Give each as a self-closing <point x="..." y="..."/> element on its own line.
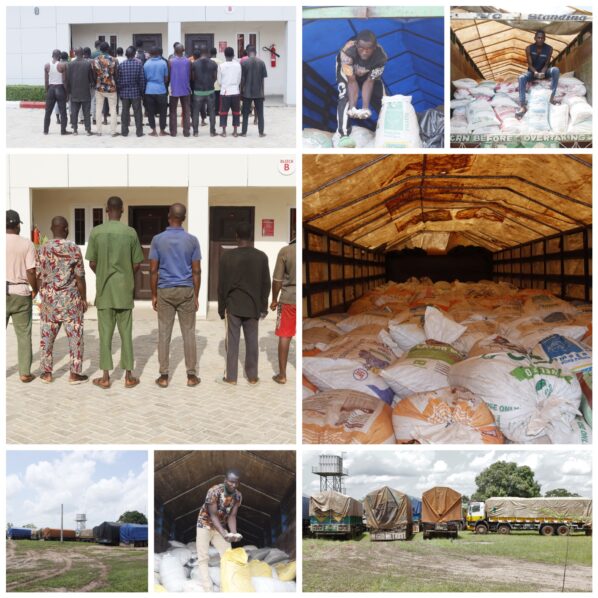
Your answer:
<point x="101" y="484"/>
<point x="415" y="471"/>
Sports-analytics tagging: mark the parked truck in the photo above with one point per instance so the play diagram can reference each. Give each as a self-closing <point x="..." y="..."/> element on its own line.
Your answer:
<point x="18" y="533"/>
<point x="416" y="513"/>
<point x="441" y="513"/>
<point x="334" y="514"/>
<point x="52" y="533"/>
<point x="548" y="516"/>
<point x="389" y="515"/>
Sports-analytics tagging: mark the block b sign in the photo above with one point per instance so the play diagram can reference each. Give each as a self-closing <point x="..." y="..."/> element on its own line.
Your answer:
<point x="286" y="166"/>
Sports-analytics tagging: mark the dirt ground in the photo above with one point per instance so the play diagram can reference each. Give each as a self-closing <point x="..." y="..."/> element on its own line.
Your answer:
<point x="397" y="566"/>
<point x="70" y="567"/>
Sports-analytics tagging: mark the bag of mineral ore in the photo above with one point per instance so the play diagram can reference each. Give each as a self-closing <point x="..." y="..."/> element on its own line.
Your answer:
<point x="362" y="137"/>
<point x="585" y="381"/>
<point x="544" y="303"/>
<point x="529" y="331"/>
<point x="172" y="573"/>
<point x="558" y="116"/>
<point x="580" y="116"/>
<point x="314" y="138"/>
<point x="495" y="344"/>
<point x="327" y="321"/>
<point x="423" y="368"/>
<point x="481" y="117"/>
<point x="319" y="338"/>
<point x="235" y="575"/>
<point x="397" y="123"/>
<point x="364" y="319"/>
<point x="567" y="353"/>
<point x="465" y="83"/>
<point x="441" y="328"/>
<point x="529" y="397"/>
<point x="536" y="117"/>
<point x="353" y="363"/>
<point x="346" y="417"/>
<point x="445" y="416"/>
<point x="476" y="332"/>
<point x="407" y="334"/>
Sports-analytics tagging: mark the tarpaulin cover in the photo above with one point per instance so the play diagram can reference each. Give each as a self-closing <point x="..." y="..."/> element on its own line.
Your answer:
<point x="343" y="506"/>
<point x="53" y="533"/>
<point x="497" y="46"/>
<point x="414" y="47"/>
<point x="539" y="508"/>
<point x="133" y="532"/>
<point x="19" y="533"/>
<point x="305" y="507"/>
<point x="107" y="533"/>
<point x="387" y="508"/>
<point x="437" y="201"/>
<point x="441" y="505"/>
<point x="416" y="508"/>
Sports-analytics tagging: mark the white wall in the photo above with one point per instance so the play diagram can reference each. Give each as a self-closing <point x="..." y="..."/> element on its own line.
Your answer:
<point x="86" y="35"/>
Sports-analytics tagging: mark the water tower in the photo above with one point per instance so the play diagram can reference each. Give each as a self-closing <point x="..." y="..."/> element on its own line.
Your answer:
<point x="331" y="472"/>
<point x="80" y="521"/>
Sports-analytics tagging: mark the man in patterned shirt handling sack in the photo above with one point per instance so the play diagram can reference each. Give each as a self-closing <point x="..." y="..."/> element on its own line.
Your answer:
<point x="359" y="66"/>
<point x="218" y="512"/>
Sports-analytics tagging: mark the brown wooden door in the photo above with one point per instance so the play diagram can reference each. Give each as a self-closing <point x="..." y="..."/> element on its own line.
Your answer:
<point x="150" y="40"/>
<point x="148" y="221"/>
<point x="196" y="40"/>
<point x="223" y="224"/>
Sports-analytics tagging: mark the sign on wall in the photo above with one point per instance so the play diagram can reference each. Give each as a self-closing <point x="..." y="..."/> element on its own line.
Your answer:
<point x="286" y="166"/>
<point x="267" y="227"/>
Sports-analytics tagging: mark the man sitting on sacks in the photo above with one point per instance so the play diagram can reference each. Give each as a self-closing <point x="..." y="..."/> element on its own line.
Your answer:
<point x="538" y="60"/>
<point x="218" y="512"/>
<point x="359" y="66"/>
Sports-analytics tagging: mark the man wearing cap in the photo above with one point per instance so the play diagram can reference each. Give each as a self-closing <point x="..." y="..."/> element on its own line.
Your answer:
<point x="21" y="288"/>
<point x="218" y="512"/>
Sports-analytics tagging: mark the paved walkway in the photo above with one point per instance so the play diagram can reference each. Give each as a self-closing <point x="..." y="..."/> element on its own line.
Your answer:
<point x="25" y="129"/>
<point x="210" y="413"/>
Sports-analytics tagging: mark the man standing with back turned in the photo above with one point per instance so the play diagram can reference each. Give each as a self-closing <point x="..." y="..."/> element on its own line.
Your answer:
<point x="175" y="266"/>
<point x="243" y="291"/>
<point x="114" y="254"/>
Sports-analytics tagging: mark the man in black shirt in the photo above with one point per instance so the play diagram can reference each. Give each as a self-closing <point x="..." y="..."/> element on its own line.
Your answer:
<point x="203" y="76"/>
<point x="79" y="79"/>
<point x="359" y="67"/>
<point x="252" y="89"/>
<point x="243" y="292"/>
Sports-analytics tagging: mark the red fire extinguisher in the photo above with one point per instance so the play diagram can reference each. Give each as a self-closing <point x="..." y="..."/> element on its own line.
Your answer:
<point x="273" y="54"/>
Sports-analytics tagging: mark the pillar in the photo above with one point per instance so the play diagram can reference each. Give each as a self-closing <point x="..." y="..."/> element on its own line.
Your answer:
<point x="198" y="224"/>
<point x="291" y="63"/>
<point x="19" y="199"/>
<point x="174" y="35"/>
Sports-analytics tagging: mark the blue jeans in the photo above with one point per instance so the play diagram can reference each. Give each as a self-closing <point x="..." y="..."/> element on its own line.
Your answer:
<point x="553" y="72"/>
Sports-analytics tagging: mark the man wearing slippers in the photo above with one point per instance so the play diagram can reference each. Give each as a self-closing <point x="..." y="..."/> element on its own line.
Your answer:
<point x="114" y="254"/>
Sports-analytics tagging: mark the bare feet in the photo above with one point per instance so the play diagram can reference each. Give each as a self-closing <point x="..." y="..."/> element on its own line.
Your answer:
<point x="279" y="379"/>
<point x="521" y="112"/>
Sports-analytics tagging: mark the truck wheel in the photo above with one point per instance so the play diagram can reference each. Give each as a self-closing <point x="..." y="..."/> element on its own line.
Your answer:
<point x="504" y="529"/>
<point x="481" y="529"/>
<point x="562" y="530"/>
<point x="547" y="530"/>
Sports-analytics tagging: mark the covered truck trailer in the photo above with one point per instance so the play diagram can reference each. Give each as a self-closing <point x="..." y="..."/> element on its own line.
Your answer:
<point x="107" y="533"/>
<point x="389" y="515"/>
<point x="548" y="516"/>
<point x="334" y="514"/>
<point x="488" y="55"/>
<point x="416" y="512"/>
<point x="133" y="534"/>
<point x="18" y="533"/>
<point x="442" y="514"/>
<point x="415" y="267"/>
<point x="52" y="533"/>
<point x="86" y="535"/>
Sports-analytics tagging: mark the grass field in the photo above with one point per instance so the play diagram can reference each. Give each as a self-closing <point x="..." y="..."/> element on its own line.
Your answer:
<point x="522" y="562"/>
<point x="37" y="566"/>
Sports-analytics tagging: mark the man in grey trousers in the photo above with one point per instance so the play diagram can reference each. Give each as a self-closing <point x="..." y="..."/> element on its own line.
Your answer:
<point x="175" y="275"/>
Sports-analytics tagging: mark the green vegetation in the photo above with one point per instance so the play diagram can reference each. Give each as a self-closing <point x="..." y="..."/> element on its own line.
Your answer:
<point x="126" y="574"/>
<point x="439" y="565"/>
<point x="133" y="517"/>
<point x="25" y="93"/>
<point x="506" y="479"/>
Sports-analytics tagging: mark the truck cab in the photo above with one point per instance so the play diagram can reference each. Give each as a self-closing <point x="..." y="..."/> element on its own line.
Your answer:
<point x="476" y="511"/>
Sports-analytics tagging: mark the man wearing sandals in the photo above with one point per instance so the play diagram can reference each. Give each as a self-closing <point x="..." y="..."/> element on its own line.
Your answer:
<point x="114" y="254"/>
<point x="283" y="301"/>
<point x="243" y="291"/>
<point x="63" y="294"/>
<point x="175" y="276"/>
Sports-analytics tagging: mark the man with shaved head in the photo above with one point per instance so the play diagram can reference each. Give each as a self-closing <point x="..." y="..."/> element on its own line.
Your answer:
<point x="79" y="79"/>
<point x="115" y="254"/>
<point x="63" y="293"/>
<point x="175" y="275"/>
<point x="54" y="82"/>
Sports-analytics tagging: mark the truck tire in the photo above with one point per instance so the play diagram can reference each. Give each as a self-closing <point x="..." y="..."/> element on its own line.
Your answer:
<point x="547" y="530"/>
<point x="562" y="530"/>
<point x="481" y="529"/>
<point x="504" y="528"/>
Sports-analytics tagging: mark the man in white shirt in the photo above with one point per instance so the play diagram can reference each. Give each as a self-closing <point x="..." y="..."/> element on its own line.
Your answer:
<point x="229" y="79"/>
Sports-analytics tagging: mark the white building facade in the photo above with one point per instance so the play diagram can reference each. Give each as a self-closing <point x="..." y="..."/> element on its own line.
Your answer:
<point x="218" y="191"/>
<point x="33" y="32"/>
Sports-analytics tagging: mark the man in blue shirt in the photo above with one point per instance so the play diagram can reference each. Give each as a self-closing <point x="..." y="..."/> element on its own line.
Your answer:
<point x="156" y="96"/>
<point x="539" y="55"/>
<point x="175" y="275"/>
<point x="131" y="85"/>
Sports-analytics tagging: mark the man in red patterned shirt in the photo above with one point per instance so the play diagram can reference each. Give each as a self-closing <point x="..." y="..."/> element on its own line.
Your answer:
<point x="218" y="512"/>
<point x="61" y="282"/>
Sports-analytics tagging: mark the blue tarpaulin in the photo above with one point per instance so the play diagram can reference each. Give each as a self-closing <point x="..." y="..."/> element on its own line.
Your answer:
<point x="133" y="532"/>
<point x="415" y="66"/>
<point x="18" y="533"/>
<point x="416" y="508"/>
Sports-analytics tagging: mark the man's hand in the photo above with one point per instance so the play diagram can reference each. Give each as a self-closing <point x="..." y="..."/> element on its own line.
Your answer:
<point x="263" y="315"/>
<point x="84" y="305"/>
<point x="273" y="305"/>
<point x="540" y="75"/>
<point x="33" y="295"/>
<point x="155" y="302"/>
<point x="196" y="303"/>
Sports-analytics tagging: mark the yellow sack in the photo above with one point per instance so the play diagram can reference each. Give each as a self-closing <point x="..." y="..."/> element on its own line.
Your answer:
<point x="260" y="569"/>
<point x="235" y="575"/>
<point x="286" y="572"/>
<point x="159" y="588"/>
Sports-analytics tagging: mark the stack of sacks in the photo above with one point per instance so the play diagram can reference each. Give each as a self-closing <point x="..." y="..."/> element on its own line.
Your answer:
<point x="402" y="348"/>
<point x="246" y="569"/>
<point x="489" y="107"/>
